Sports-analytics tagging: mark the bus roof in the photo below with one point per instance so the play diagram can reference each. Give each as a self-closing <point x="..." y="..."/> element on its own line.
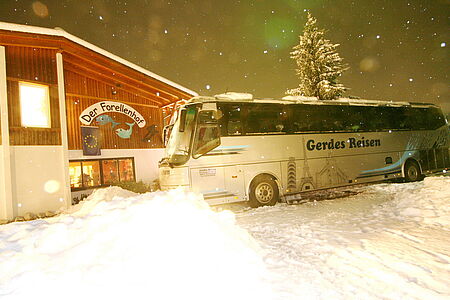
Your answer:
<point x="245" y="97"/>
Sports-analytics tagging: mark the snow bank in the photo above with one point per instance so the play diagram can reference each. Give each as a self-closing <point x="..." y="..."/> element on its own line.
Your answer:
<point x="165" y="245"/>
<point x="426" y="202"/>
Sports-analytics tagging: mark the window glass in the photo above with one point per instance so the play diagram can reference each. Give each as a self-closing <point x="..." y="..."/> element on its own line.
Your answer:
<point x="234" y="120"/>
<point x="435" y="118"/>
<point x="75" y="174"/>
<point x="206" y="139"/>
<point x="34" y="105"/>
<point x="91" y="173"/>
<point x="264" y="118"/>
<point x="126" y="172"/>
<point x="207" y="133"/>
<point x="230" y="122"/>
<point x="110" y="171"/>
<point x="307" y="118"/>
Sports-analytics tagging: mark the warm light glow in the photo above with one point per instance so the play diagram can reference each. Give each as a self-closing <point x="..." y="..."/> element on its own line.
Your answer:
<point x="34" y="105"/>
<point x="52" y="186"/>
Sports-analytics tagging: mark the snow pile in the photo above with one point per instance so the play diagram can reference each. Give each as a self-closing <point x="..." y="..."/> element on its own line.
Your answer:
<point x="426" y="202"/>
<point x="165" y="245"/>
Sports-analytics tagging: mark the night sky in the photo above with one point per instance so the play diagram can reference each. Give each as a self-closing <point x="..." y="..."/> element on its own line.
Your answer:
<point x="396" y="49"/>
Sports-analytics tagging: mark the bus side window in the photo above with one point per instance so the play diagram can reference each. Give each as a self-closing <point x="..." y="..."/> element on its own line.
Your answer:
<point x="435" y="118"/>
<point x="234" y="124"/>
<point x="263" y="118"/>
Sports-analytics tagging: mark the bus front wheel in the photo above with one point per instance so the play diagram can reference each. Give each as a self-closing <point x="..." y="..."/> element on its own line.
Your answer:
<point x="263" y="191"/>
<point x="412" y="172"/>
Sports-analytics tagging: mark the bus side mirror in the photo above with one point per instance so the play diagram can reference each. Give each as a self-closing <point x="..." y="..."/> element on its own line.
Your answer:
<point x="182" y="120"/>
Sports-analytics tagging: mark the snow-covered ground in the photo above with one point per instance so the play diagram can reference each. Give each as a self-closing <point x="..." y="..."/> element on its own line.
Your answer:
<point x="391" y="241"/>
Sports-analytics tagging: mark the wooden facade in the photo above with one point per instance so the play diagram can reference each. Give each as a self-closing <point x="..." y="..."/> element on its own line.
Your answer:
<point x="36" y="65"/>
<point x="89" y="77"/>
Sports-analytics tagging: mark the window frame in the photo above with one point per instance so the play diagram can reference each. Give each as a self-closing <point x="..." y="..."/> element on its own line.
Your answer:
<point x="102" y="182"/>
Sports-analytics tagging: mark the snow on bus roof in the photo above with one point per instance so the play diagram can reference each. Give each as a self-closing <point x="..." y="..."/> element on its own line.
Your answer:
<point x="62" y="33"/>
<point x="246" y="97"/>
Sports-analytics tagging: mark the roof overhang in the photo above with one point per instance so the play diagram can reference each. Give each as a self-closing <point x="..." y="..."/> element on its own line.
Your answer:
<point x="58" y="32"/>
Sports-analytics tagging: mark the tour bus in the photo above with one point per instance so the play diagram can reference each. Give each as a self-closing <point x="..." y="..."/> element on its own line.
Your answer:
<point x="233" y="148"/>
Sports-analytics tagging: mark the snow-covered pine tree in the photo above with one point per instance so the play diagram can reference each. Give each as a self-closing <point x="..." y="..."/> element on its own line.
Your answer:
<point x="319" y="65"/>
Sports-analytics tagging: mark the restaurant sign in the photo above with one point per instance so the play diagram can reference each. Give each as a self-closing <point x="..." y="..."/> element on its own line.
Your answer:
<point x="89" y="114"/>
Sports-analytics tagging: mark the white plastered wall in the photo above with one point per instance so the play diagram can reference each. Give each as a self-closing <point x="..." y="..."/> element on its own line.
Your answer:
<point x="37" y="178"/>
<point x="2" y="188"/>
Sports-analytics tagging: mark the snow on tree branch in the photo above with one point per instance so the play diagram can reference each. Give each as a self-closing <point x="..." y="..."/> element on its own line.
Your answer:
<point x="319" y="64"/>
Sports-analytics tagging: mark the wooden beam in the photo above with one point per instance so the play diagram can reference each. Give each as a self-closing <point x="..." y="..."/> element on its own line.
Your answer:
<point x="99" y="77"/>
<point x="111" y="80"/>
<point x="111" y="99"/>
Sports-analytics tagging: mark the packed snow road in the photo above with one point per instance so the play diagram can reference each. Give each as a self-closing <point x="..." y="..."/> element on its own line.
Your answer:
<point x="391" y="241"/>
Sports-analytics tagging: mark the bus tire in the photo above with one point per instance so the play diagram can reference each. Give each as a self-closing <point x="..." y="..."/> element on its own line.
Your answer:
<point x="263" y="191"/>
<point x="412" y="171"/>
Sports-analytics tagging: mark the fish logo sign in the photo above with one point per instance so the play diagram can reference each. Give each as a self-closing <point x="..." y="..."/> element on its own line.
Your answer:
<point x="125" y="133"/>
<point x="95" y="111"/>
<point x="106" y="119"/>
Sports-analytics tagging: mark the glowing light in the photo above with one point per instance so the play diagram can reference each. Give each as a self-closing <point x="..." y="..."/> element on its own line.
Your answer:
<point x="52" y="186"/>
<point x="369" y="64"/>
<point x="443" y="44"/>
<point x="208" y="87"/>
<point x="40" y="9"/>
<point x="411" y="80"/>
<point x="34" y="105"/>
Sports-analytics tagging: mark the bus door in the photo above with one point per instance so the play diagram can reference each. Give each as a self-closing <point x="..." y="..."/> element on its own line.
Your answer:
<point x="219" y="184"/>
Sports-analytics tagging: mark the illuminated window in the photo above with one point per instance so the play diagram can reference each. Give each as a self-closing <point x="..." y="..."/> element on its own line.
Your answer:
<point x="126" y="170"/>
<point x="87" y="174"/>
<point x="84" y="174"/>
<point x="91" y="173"/>
<point x="34" y="105"/>
<point x="110" y="171"/>
<point x="75" y="174"/>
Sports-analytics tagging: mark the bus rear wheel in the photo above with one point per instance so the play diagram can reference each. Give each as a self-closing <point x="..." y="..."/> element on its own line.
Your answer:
<point x="412" y="172"/>
<point x="263" y="191"/>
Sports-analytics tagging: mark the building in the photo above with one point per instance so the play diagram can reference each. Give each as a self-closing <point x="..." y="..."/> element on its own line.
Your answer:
<point x="73" y="117"/>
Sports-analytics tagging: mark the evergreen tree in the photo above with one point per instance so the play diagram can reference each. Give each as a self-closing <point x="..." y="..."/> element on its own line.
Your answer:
<point x="319" y="65"/>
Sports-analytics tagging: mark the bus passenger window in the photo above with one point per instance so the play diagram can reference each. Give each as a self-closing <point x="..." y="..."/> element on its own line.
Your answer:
<point x="263" y="118"/>
<point x="234" y="121"/>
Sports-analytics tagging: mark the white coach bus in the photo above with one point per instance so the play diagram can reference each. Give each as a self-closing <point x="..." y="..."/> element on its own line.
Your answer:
<point x="235" y="148"/>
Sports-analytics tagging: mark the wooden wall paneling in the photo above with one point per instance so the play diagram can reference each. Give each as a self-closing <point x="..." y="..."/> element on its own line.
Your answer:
<point x="140" y="138"/>
<point x="32" y="64"/>
<point x="131" y="86"/>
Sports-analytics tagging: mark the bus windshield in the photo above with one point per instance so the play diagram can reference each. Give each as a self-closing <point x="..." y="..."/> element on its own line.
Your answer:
<point x="178" y="146"/>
